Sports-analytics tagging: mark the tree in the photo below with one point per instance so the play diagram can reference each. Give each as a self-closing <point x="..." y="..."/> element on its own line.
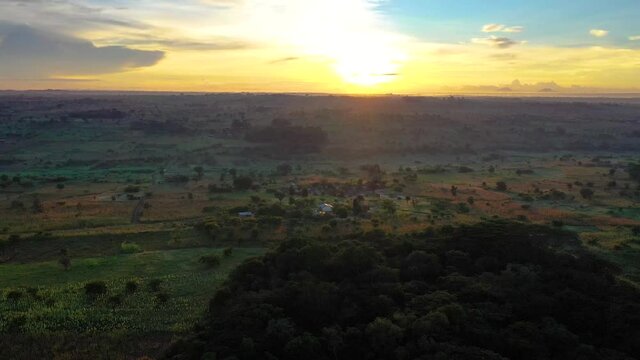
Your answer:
<point x="131" y="287"/>
<point x="242" y="183"/>
<point x="227" y="252"/>
<point x="283" y="169"/>
<point x="454" y="190"/>
<point x="95" y="288"/>
<point x="210" y="261"/>
<point x="64" y="260"/>
<point x="389" y="206"/>
<point x="199" y="172"/>
<point x="279" y="195"/>
<point x="36" y="206"/>
<point x="586" y="193"/>
<point x="384" y="336"/>
<point x="359" y="207"/>
<point x="634" y="171"/>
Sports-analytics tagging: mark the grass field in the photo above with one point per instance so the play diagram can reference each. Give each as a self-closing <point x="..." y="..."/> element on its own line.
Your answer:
<point x="52" y="299"/>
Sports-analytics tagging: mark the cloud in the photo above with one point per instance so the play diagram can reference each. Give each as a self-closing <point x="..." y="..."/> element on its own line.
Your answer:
<point x="29" y="53"/>
<point x="489" y="28"/>
<point x="156" y="42"/>
<point x="223" y="3"/>
<point x="634" y="38"/>
<point x="548" y="87"/>
<point x="495" y="41"/>
<point x="599" y="33"/>
<point x="284" y="60"/>
<point x="68" y="16"/>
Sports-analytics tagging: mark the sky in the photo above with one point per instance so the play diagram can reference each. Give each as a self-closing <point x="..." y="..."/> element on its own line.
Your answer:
<point x="324" y="46"/>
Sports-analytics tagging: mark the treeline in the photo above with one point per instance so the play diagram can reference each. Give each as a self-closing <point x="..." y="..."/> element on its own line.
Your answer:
<point x="494" y="290"/>
<point x="286" y="137"/>
<point x="101" y="114"/>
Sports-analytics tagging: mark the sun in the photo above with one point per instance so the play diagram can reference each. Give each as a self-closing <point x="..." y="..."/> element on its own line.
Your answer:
<point x="367" y="68"/>
<point x="351" y="35"/>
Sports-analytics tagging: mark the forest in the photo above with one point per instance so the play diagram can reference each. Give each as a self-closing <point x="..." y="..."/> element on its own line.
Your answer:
<point x="494" y="290"/>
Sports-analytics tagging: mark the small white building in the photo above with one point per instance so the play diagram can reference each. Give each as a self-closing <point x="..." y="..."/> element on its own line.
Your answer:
<point x="245" y="214"/>
<point x="325" y="208"/>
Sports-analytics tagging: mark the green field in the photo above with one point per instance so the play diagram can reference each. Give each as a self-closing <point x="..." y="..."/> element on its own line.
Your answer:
<point x="54" y="300"/>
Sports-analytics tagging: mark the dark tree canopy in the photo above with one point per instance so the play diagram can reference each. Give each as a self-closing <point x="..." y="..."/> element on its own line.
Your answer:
<point x="495" y="290"/>
<point x="286" y="137"/>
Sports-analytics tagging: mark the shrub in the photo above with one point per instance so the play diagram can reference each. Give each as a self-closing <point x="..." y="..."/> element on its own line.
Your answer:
<point x="162" y="298"/>
<point x="115" y="300"/>
<point x="15" y="323"/>
<point x="154" y="285"/>
<point x="130" y="248"/>
<point x="227" y="252"/>
<point x="95" y="288"/>
<point x="14" y="295"/>
<point x="463" y="208"/>
<point x="131" y="287"/>
<point x="17" y="204"/>
<point x="65" y="262"/>
<point x="587" y="193"/>
<point x="132" y="189"/>
<point x="243" y="183"/>
<point x="501" y="186"/>
<point x="210" y="261"/>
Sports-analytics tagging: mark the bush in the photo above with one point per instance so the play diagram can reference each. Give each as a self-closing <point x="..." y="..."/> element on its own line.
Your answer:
<point x="162" y="298"/>
<point x="154" y="285"/>
<point x="131" y="287"/>
<point x="130" y="248"/>
<point x="210" y="261"/>
<point x="115" y="300"/>
<point x="463" y="208"/>
<point x="95" y="288"/>
<point x="227" y="252"/>
<point x="587" y="193"/>
<point x="17" y="204"/>
<point x="243" y="183"/>
<point x="132" y="189"/>
<point x="501" y="186"/>
<point x="14" y="295"/>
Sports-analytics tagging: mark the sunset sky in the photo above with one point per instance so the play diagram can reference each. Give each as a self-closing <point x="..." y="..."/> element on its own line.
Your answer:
<point x="337" y="46"/>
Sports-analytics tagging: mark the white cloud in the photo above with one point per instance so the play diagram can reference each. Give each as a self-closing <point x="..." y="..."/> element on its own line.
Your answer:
<point x="495" y="41"/>
<point x="599" y="33"/>
<point x="489" y="28"/>
<point x="634" y="38"/>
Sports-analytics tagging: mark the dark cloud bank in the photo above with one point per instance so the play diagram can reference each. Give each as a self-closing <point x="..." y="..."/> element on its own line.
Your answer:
<point x="30" y="53"/>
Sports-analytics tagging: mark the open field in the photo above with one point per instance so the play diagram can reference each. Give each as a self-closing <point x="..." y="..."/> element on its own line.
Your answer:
<point x="171" y="292"/>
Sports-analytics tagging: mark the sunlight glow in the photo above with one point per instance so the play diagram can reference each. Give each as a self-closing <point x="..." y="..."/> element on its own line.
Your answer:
<point x="350" y="34"/>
